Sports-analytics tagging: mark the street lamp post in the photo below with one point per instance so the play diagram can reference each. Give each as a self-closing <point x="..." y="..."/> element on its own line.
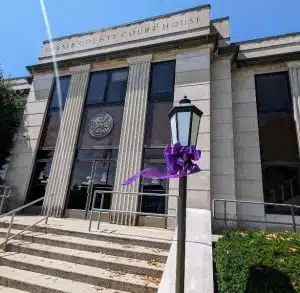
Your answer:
<point x="185" y="122"/>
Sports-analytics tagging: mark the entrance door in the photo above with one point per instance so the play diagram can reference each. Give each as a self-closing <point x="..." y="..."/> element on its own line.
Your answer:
<point x="40" y="177"/>
<point x="87" y="177"/>
<point x="39" y="182"/>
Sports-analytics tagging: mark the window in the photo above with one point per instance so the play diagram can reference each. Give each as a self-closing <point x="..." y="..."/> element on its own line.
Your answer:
<point x="107" y="87"/>
<point x="95" y="163"/>
<point x="162" y="80"/>
<point x="154" y="158"/>
<point x="55" y="110"/>
<point x="157" y="133"/>
<point x="96" y="88"/>
<point x="48" y="139"/>
<point x="105" y="95"/>
<point x="117" y="86"/>
<point x="160" y="102"/>
<point x="273" y="93"/>
<point x="278" y="140"/>
<point x="56" y="102"/>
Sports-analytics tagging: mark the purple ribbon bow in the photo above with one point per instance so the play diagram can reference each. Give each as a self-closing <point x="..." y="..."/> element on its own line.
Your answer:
<point x="180" y="162"/>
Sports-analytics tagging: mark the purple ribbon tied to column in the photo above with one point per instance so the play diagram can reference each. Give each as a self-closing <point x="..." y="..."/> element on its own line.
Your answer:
<point x="180" y="162"/>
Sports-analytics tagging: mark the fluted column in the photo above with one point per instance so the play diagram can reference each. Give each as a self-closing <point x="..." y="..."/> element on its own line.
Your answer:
<point x="66" y="142"/>
<point x="132" y="138"/>
<point x="294" y="73"/>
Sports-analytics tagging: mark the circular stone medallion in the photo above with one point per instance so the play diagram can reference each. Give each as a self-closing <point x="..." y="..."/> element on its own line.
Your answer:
<point x="101" y="125"/>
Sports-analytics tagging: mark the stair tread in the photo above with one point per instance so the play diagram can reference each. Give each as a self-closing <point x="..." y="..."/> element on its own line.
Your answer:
<point x="55" y="283"/>
<point x="154" y="264"/>
<point x="90" y="242"/>
<point x="78" y="227"/>
<point x="64" y="266"/>
<point x="4" y="289"/>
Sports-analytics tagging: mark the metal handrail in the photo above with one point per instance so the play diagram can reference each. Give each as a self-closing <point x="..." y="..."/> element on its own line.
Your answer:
<point x="13" y="213"/>
<point x="100" y="210"/>
<point x="291" y="206"/>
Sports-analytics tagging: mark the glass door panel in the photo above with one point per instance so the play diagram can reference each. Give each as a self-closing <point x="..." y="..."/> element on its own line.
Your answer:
<point x="154" y="204"/>
<point x="103" y="179"/>
<point x="80" y="182"/>
<point x="40" y="180"/>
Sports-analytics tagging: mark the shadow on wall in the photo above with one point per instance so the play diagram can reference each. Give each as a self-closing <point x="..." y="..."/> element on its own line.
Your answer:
<point x="263" y="279"/>
<point x="17" y="169"/>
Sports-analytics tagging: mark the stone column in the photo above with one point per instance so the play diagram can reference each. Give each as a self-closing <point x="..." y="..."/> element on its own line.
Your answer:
<point x="248" y="172"/>
<point x="66" y="142"/>
<point x="222" y="148"/>
<point x="294" y="73"/>
<point x="132" y="138"/>
<point x="193" y="79"/>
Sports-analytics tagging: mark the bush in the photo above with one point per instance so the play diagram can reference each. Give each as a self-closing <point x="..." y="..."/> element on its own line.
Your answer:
<point x="258" y="262"/>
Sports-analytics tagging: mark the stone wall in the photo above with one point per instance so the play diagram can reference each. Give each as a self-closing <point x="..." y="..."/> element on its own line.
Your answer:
<point x="193" y="80"/>
<point x="23" y="154"/>
<point x="222" y="150"/>
<point x="246" y="145"/>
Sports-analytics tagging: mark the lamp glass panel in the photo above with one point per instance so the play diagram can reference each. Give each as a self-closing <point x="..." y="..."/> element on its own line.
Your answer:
<point x="195" y="129"/>
<point x="174" y="129"/>
<point x="183" y="127"/>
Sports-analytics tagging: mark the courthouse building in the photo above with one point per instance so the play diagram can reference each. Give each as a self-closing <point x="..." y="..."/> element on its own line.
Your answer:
<point x="110" y="121"/>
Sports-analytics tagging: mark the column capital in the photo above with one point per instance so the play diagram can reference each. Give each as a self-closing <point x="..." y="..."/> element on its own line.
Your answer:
<point x="139" y="59"/>
<point x="293" y="64"/>
<point x="85" y="67"/>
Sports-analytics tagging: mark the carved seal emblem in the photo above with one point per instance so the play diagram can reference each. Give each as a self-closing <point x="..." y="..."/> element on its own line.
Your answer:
<point x="101" y="125"/>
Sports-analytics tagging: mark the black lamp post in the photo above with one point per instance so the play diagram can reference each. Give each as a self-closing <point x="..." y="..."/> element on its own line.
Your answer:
<point x="185" y="122"/>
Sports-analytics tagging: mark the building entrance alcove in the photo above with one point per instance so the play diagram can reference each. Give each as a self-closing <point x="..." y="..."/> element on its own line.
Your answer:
<point x="92" y="170"/>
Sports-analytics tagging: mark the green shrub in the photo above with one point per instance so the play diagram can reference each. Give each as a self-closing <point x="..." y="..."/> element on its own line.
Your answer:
<point x="258" y="262"/>
<point x="12" y="104"/>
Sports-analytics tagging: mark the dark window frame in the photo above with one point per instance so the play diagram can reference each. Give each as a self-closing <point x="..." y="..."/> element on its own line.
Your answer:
<point x="56" y="109"/>
<point x="272" y="165"/>
<point x="109" y="73"/>
<point x="110" y="159"/>
<point x="155" y="97"/>
<point x="40" y="148"/>
<point x="50" y="109"/>
<point x="286" y="75"/>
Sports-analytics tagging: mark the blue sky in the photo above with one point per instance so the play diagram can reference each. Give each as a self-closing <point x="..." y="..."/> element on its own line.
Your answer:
<point x="22" y="29"/>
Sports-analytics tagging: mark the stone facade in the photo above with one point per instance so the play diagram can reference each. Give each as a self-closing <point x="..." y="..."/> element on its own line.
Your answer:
<point x="24" y="152"/>
<point x="216" y="75"/>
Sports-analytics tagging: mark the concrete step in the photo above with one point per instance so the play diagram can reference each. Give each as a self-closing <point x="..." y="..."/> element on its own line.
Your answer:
<point x="101" y="235"/>
<point x="111" y="248"/>
<point x="86" y="274"/>
<point x="40" y="283"/>
<point x="151" y="268"/>
<point x="10" y="290"/>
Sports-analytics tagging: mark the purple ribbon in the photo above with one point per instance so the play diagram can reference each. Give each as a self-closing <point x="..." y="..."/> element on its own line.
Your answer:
<point x="180" y="162"/>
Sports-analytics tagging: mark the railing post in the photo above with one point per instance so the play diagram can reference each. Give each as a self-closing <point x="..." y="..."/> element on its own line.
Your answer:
<point x="92" y="210"/>
<point x="225" y="213"/>
<point x="48" y="212"/>
<point x="282" y="192"/>
<point x="8" y="232"/>
<point x="293" y="219"/>
<point x="292" y="189"/>
<point x="101" y="207"/>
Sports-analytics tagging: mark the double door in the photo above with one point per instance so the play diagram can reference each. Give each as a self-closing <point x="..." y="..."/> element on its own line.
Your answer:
<point x="87" y="177"/>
